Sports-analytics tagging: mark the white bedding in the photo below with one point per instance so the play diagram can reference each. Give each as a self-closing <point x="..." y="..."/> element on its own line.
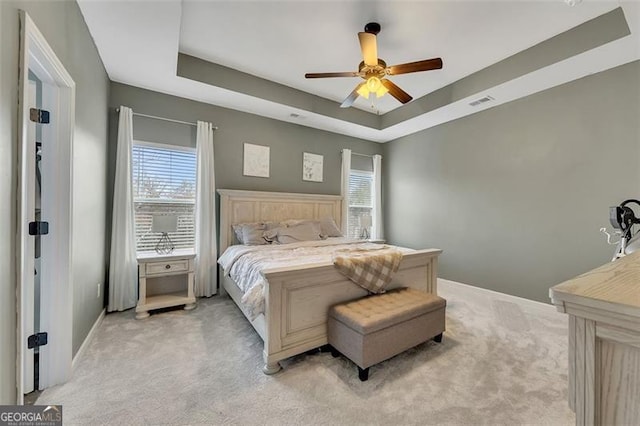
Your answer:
<point x="244" y="264"/>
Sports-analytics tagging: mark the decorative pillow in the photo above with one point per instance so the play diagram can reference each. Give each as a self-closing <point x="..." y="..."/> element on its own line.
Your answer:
<point x="271" y="235"/>
<point x="237" y="229"/>
<point x="294" y="222"/>
<point x="307" y="231"/>
<point x="329" y="228"/>
<point x="252" y="233"/>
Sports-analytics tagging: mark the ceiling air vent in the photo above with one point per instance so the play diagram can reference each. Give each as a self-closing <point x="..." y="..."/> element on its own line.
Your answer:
<point x="481" y="101"/>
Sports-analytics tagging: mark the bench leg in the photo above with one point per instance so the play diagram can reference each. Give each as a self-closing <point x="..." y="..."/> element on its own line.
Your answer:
<point x="363" y="374"/>
<point x="438" y="338"/>
<point x="334" y="352"/>
<point x="325" y="348"/>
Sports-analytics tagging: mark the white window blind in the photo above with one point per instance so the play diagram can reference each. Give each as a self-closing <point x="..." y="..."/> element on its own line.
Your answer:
<point x="360" y="200"/>
<point x="164" y="182"/>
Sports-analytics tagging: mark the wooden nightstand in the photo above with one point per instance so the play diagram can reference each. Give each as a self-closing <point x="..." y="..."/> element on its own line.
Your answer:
<point x="153" y="265"/>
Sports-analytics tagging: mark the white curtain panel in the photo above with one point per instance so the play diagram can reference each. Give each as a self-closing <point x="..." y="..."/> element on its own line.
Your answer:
<point x="206" y="255"/>
<point x="123" y="267"/>
<point x="346" y="170"/>
<point x="377" y="197"/>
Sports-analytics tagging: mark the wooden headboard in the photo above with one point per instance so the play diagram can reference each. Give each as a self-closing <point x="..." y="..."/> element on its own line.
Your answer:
<point x="256" y="206"/>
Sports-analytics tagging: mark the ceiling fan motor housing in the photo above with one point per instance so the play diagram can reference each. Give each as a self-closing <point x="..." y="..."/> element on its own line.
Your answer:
<point x="378" y="71"/>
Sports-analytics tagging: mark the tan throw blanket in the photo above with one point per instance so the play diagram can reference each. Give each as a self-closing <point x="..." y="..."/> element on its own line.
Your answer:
<point x="371" y="270"/>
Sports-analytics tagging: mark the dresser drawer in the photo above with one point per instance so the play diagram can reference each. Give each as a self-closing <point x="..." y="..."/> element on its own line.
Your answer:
<point x="164" y="268"/>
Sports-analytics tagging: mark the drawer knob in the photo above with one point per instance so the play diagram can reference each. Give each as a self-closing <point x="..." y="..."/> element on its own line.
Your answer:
<point x="167" y="267"/>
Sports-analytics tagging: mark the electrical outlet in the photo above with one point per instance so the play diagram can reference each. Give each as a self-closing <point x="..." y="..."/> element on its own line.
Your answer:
<point x="98" y="291"/>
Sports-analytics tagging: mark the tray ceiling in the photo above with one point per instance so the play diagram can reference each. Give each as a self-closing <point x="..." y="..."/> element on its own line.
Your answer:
<point x="272" y="44"/>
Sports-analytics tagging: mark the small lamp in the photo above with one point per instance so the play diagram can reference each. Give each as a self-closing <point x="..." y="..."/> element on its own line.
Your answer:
<point x="164" y="224"/>
<point x="365" y="224"/>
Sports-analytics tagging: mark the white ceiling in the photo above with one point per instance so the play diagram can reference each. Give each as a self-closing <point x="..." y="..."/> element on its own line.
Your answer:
<point x="281" y="40"/>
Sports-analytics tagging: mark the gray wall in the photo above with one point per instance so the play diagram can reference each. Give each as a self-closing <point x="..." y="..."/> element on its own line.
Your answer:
<point x="64" y="28"/>
<point x="287" y="141"/>
<point x="515" y="195"/>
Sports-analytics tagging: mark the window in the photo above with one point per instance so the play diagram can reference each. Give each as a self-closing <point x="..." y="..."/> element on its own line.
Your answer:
<point x="164" y="182"/>
<point x="360" y="200"/>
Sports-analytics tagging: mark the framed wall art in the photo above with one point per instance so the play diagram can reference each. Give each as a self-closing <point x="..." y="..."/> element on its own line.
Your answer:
<point x="256" y="160"/>
<point x="312" y="165"/>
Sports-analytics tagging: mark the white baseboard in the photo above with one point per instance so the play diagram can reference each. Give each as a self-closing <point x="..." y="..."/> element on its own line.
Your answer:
<point x="497" y="293"/>
<point x="88" y="339"/>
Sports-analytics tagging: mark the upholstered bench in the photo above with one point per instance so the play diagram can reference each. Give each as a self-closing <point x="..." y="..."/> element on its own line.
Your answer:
<point x="378" y="327"/>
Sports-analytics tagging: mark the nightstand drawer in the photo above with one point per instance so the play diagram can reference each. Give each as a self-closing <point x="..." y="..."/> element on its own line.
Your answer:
<point x="163" y="268"/>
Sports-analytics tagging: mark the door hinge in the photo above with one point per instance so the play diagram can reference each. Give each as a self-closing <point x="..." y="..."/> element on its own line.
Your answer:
<point x="37" y="340"/>
<point x="39" y="115"/>
<point x="38" y="228"/>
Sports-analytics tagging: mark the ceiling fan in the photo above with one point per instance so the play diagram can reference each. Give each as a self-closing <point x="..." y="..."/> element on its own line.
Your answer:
<point x="374" y="70"/>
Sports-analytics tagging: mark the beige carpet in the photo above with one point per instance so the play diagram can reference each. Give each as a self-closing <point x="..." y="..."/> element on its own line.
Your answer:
<point x="503" y="361"/>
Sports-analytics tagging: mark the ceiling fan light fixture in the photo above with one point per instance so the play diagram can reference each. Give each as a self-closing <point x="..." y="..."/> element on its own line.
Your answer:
<point x="382" y="90"/>
<point x="373" y="84"/>
<point x="363" y="91"/>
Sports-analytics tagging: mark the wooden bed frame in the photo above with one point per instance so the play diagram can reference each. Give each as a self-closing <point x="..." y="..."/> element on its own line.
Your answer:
<point x="297" y="299"/>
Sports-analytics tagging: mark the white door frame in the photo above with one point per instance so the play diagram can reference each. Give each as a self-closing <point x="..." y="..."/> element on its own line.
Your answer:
<point x="57" y="290"/>
<point x="28" y="290"/>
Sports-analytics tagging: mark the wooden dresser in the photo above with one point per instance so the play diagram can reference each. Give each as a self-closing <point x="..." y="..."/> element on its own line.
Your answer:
<point x="604" y="342"/>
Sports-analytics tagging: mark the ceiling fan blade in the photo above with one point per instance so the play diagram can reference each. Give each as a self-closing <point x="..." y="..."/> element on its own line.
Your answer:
<point x="369" y="47"/>
<point x="426" y="65"/>
<point x="330" y="74"/>
<point x="395" y="91"/>
<point x="352" y="97"/>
